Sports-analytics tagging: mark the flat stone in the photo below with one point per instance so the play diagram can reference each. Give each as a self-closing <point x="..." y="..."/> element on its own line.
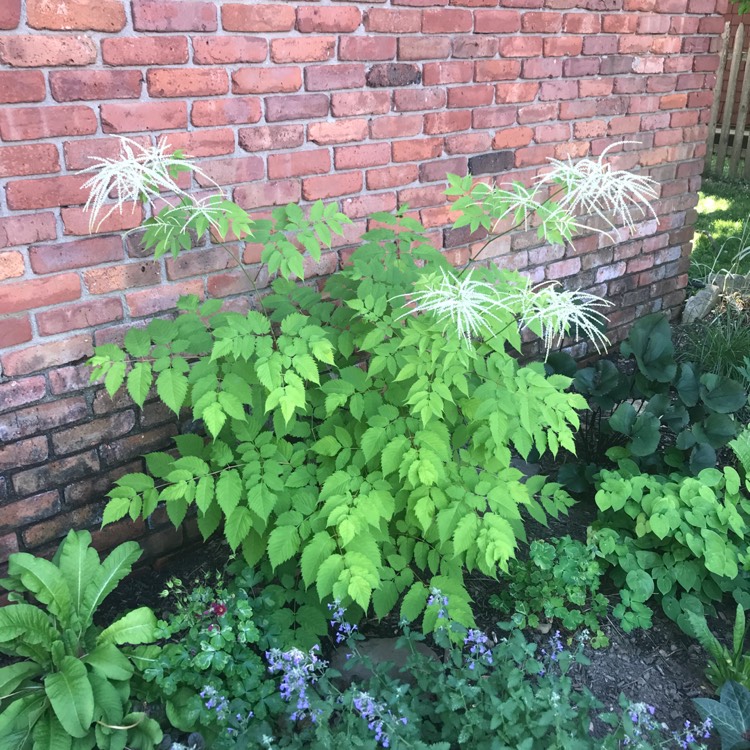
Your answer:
<point x="700" y="305"/>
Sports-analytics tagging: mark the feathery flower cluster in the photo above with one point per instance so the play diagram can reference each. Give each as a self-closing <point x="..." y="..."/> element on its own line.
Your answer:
<point x="377" y="717"/>
<point x="137" y="174"/>
<point x="299" y="671"/>
<point x="594" y="187"/>
<point x="693" y="733"/>
<point x="343" y="628"/>
<point x="480" y="650"/>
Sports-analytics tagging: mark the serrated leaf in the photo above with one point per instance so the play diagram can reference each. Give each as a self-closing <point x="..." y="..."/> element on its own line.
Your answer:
<point x="172" y="387"/>
<point x="229" y="490"/>
<point x="414" y="602"/>
<point x="214" y="418"/>
<point x="283" y="543"/>
<point x="237" y="526"/>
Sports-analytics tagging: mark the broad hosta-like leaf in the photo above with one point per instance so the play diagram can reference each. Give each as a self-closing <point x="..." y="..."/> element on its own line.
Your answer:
<point x="136" y="627"/>
<point x="43" y="579"/>
<point x="78" y="562"/>
<point x="69" y="692"/>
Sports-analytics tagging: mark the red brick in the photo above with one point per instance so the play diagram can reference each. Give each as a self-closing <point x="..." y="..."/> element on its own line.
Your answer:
<point x="42" y="356"/>
<point x="84" y="15"/>
<point x="15" y="331"/>
<point x="144" y="50"/>
<point x="541" y="113"/>
<point x="357" y="157"/>
<point x="141" y="116"/>
<point x="32" y="123"/>
<point x="266" y="80"/>
<point x="552" y="133"/>
<point x="231" y="171"/>
<point x="408" y="100"/>
<point x="541" y="23"/>
<point x="10" y="14"/>
<point x="439" y="170"/>
<point x="115" y="278"/>
<point x="331" y="186"/>
<point x="53" y="474"/>
<point x="40" y="418"/>
<point x="474" y="46"/>
<point x="78" y="254"/>
<point x="25" y="295"/>
<point x="21" y="513"/>
<point x="585" y="23"/>
<point x="23" y="453"/>
<point x="471" y="143"/>
<point x="446" y="21"/>
<point x="393" y="21"/>
<point x="296" y="107"/>
<point x="417" y="150"/>
<point x="435" y="74"/>
<point x="516" y="92"/>
<point x="419" y="197"/>
<point x="493" y="117"/>
<point x="388" y="177"/>
<point x="235" y="111"/>
<point x="17" y="86"/>
<point x="37" y="50"/>
<point x="305" y="49"/>
<point x="563" y="46"/>
<point x="277" y="193"/>
<point x="602" y="87"/>
<point x="512" y="138"/>
<point x="69" y="85"/>
<point x="497" y="21"/>
<point x="556" y="90"/>
<point x="424" y="47"/>
<point x="76" y="221"/>
<point x="17" y="161"/>
<point x="152" y="301"/>
<point x="327" y="77"/>
<point x="340" y="131"/>
<point x="534" y="155"/>
<point x="17" y="393"/>
<point x="298" y="163"/>
<point x="174" y="15"/>
<point x="23" y="230"/>
<point x="225" y="50"/>
<point x="356" y="208"/>
<point x="396" y="126"/>
<point x="46" y="192"/>
<point x="328" y="20"/>
<point x="182" y="83"/>
<point x="360" y="103"/>
<point x="447" y="122"/>
<point x="520" y="47"/>
<point x="266" y="138"/>
<point x="624" y="125"/>
<point x="75" y="317"/>
<point x="11" y="265"/>
<point x="258" y="18"/>
<point x="675" y="101"/>
<point x="471" y="96"/>
<point x="367" y="48"/>
<point x="543" y="68"/>
<point x="495" y="70"/>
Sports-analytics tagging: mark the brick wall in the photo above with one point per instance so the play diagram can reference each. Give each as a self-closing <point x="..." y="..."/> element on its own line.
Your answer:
<point x="369" y="104"/>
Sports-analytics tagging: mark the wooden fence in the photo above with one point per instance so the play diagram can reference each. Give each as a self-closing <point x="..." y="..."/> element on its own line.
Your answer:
<point x="728" y="143"/>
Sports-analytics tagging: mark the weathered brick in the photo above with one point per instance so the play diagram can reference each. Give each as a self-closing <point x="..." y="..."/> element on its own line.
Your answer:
<point x="182" y="83"/>
<point x="497" y="21"/>
<point x="296" y="107"/>
<point x="257" y="17"/>
<point x="393" y="21"/>
<point x="115" y="278"/>
<point x="58" y="526"/>
<point x="139" y="116"/>
<point x="266" y="80"/>
<point x="152" y="301"/>
<point x="15" y="330"/>
<point x="77" y="221"/>
<point x="339" y="131"/>
<point x="331" y="186"/>
<point x="396" y="126"/>
<point x="328" y="77"/>
<point x="234" y="111"/>
<point x="328" y="20"/>
<point x="268" y="137"/>
<point x="424" y="48"/>
<point x="35" y="508"/>
<point x="20" y="392"/>
<point x="471" y="96"/>
<point x="298" y="163"/>
<point x="365" y="155"/>
<point x="226" y="50"/>
<point x="447" y="122"/>
<point x="26" y="295"/>
<point x="512" y="138"/>
<point x="11" y="265"/>
<point x="446" y="20"/>
<point x="388" y="75"/>
<point x="32" y="123"/>
<point x="38" y="419"/>
<point x="74" y="317"/>
<point x="70" y="85"/>
<point x="46" y="192"/>
<point x="494" y="162"/>
<point x="42" y="356"/>
<point x="23" y="230"/>
<point x="145" y="50"/>
<point x="230" y="171"/>
<point x="8" y="546"/>
<point x="36" y="50"/>
<point x="388" y="177"/>
<point x="93" y="488"/>
<point x="79" y="254"/>
<point x="367" y="48"/>
<point x="10" y="14"/>
<point x="346" y="104"/>
<point x="410" y="100"/>
<point x="39" y="158"/>
<point x="84" y="15"/>
<point x="306" y="49"/>
<point x="174" y="15"/>
<point x="23" y="453"/>
<point x="474" y="46"/>
<point x="469" y="143"/>
<point x="18" y="86"/>
<point x="417" y="150"/>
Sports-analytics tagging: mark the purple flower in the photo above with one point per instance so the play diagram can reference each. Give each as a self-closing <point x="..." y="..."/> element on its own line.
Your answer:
<point x="343" y="628"/>
<point x="479" y="651"/>
<point x="437" y="598"/>
<point x="377" y="717"/>
<point x="298" y="671"/>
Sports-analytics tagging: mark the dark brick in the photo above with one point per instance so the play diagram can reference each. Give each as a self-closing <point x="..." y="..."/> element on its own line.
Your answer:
<point x="493" y="162"/>
<point x="385" y="75"/>
<point x="55" y="473"/>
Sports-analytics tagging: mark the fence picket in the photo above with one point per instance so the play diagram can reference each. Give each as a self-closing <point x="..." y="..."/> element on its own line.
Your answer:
<point x="726" y="120"/>
<point x="723" y="54"/>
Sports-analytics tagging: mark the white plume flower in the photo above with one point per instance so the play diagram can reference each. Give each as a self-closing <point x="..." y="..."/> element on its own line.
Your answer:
<point x="138" y="173"/>
<point x="464" y="303"/>
<point x="594" y="187"/>
<point x="555" y="313"/>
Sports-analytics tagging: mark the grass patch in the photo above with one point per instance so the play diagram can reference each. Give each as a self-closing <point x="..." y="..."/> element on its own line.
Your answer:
<point x="722" y="230"/>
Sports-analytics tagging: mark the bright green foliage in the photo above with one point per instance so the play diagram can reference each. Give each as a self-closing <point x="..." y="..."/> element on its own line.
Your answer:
<point x="71" y="691"/>
<point x="684" y="538"/>
<point x="724" y="663"/>
<point x="558" y="584"/>
<point x="366" y="447"/>
<point x="630" y="413"/>
<point x="730" y="716"/>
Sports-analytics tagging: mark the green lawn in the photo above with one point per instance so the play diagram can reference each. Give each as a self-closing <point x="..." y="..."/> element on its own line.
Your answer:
<point x="722" y="229"/>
